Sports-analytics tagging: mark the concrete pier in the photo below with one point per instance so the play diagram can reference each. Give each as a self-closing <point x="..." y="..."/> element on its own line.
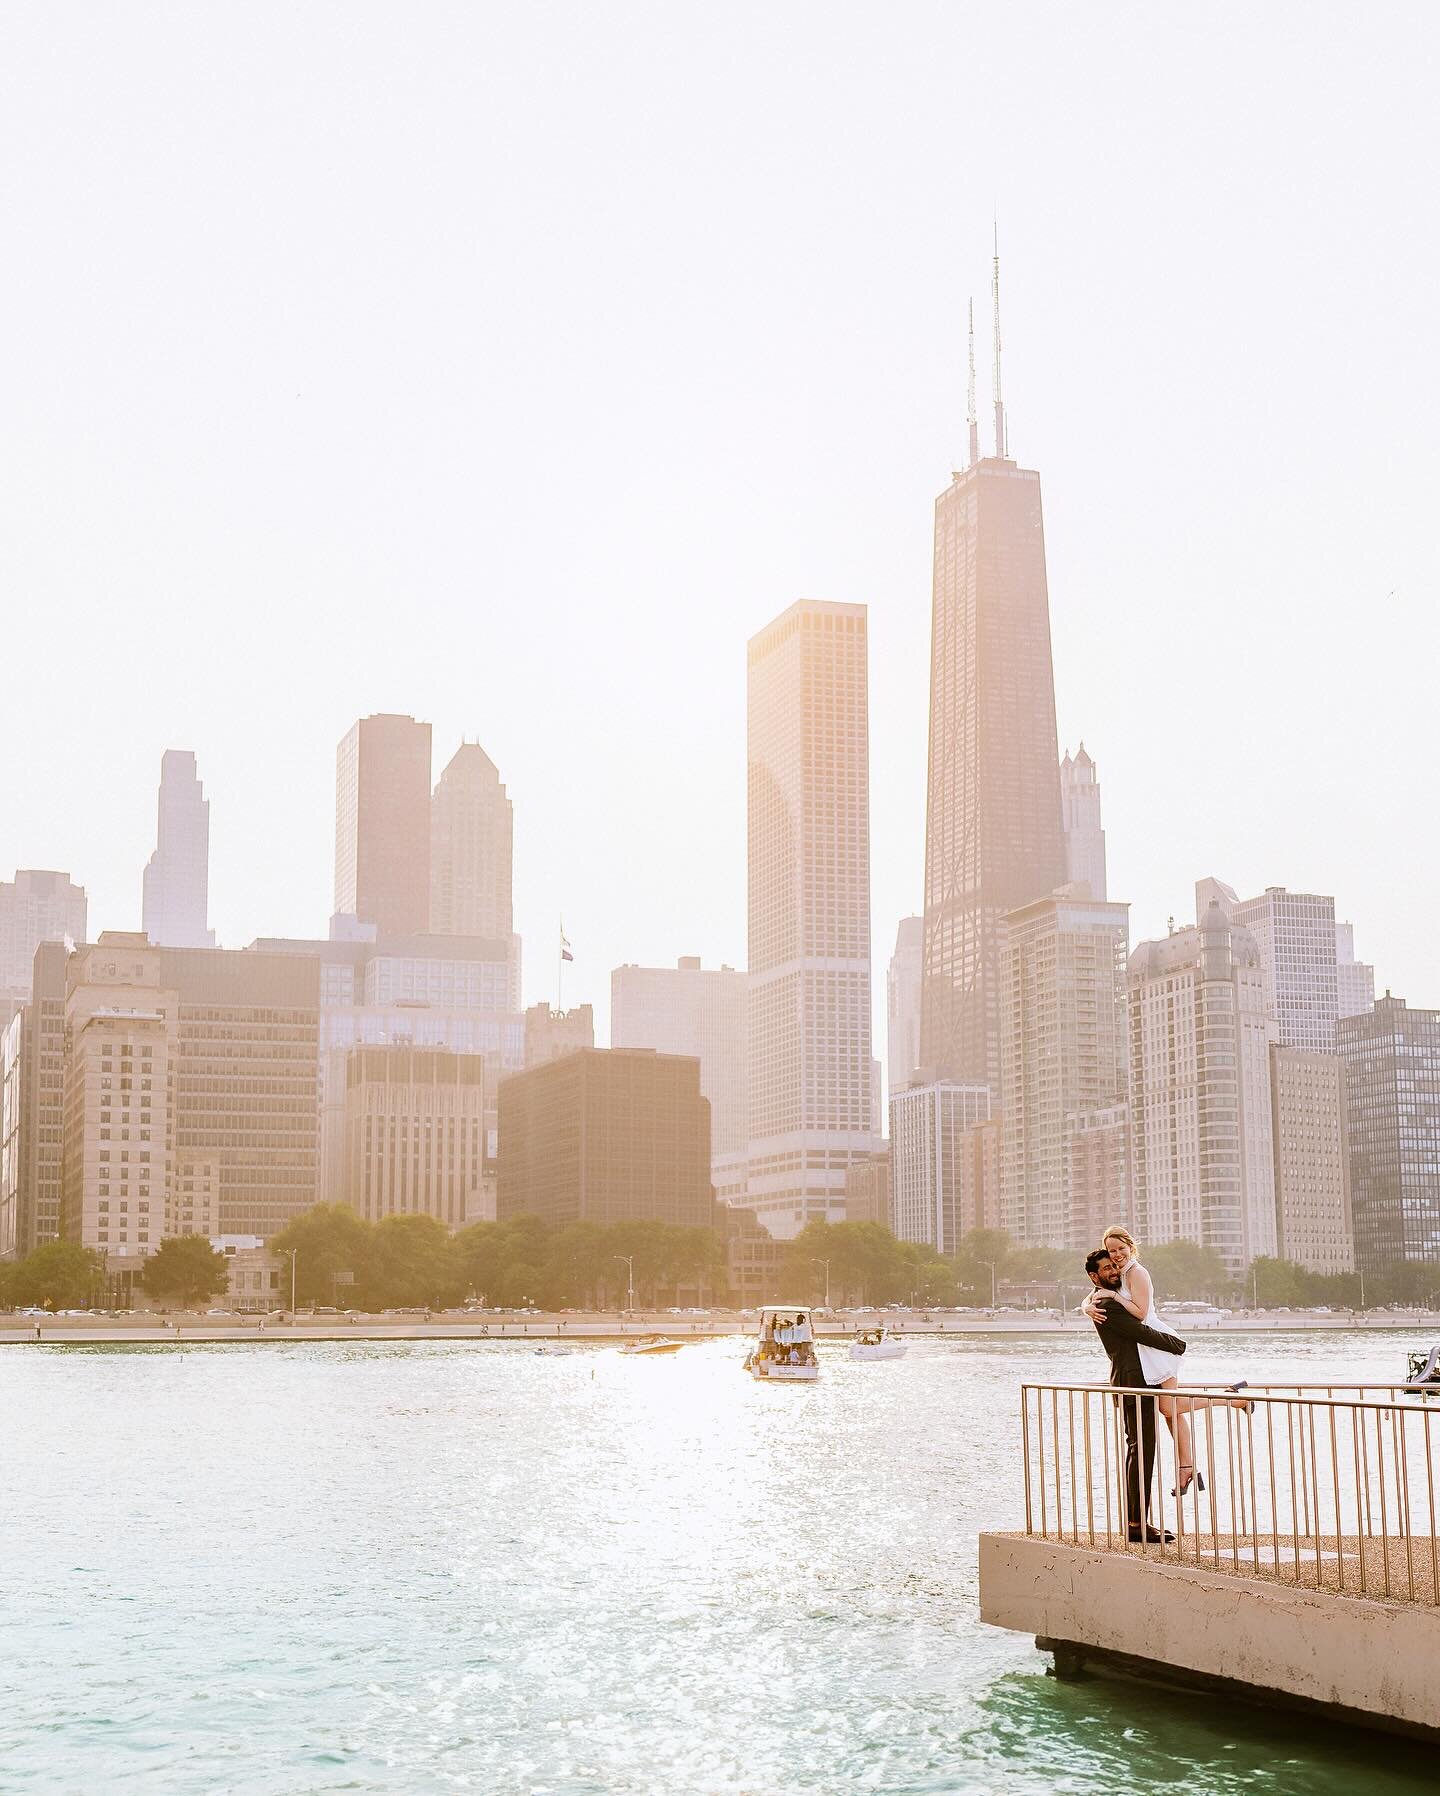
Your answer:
<point x="1361" y="1659"/>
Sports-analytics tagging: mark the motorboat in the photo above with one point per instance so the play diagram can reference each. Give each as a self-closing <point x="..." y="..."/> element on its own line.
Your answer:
<point x="1424" y="1369"/>
<point x="784" y="1350"/>
<point x="877" y="1343"/>
<point x="652" y="1344"/>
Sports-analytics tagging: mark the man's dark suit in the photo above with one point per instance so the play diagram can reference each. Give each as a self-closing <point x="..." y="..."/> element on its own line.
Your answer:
<point x="1120" y="1335"/>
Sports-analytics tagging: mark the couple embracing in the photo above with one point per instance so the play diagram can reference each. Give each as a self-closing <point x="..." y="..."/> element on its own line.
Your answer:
<point x="1144" y="1355"/>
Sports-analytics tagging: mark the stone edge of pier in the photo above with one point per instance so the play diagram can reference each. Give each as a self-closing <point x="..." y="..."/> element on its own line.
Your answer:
<point x="1354" y="1659"/>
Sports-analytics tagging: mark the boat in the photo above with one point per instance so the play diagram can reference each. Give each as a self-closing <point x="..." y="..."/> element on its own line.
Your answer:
<point x="652" y="1344"/>
<point x="1424" y="1369"/>
<point x="877" y="1343"/>
<point x="784" y="1350"/>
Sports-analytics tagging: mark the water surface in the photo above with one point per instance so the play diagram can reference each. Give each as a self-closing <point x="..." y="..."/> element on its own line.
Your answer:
<point x="410" y="1567"/>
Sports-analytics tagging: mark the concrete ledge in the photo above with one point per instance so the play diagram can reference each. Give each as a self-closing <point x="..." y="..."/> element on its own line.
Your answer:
<point x="1368" y="1662"/>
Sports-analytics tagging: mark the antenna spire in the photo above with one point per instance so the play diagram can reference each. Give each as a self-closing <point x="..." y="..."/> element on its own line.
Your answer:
<point x="970" y="395"/>
<point x="1000" y="442"/>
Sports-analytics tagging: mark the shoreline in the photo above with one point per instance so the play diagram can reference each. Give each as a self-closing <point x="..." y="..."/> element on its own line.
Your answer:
<point x="600" y="1330"/>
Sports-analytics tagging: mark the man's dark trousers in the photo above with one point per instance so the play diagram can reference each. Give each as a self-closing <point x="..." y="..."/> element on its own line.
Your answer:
<point x="1141" y="1419"/>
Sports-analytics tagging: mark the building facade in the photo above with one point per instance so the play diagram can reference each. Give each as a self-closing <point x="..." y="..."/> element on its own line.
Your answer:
<point x="867" y="1191"/>
<point x="1314" y="1225"/>
<point x="1097" y="1172"/>
<point x="35" y="907"/>
<point x="1354" y="980"/>
<point x="1080" y="816"/>
<point x="699" y="1013"/>
<point x="993" y="835"/>
<point x="176" y="902"/>
<point x="472" y="848"/>
<point x="1392" y="1101"/>
<point x="1201" y="1146"/>
<point x="902" y="1003"/>
<point x="933" y="1148"/>
<point x="811" y="1090"/>
<point x="1063" y="1051"/>
<point x="549" y="1034"/>
<point x="1294" y="933"/>
<point x="606" y="1135"/>
<point x="415" y="1133"/>
<point x="382" y="824"/>
<point x="41" y="1155"/>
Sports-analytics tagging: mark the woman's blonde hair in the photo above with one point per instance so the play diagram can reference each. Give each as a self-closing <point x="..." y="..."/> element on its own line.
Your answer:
<point x="1117" y="1233"/>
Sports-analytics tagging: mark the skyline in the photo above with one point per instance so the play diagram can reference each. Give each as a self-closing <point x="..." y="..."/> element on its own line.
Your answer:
<point x="1227" y="401"/>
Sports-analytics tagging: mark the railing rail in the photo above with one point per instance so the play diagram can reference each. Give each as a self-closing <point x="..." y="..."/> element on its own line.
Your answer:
<point x="1327" y="1486"/>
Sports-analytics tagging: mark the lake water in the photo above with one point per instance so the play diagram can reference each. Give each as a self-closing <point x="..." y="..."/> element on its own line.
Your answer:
<point x="403" y="1568"/>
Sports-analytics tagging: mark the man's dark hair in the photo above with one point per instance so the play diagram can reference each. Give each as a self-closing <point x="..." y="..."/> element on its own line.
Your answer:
<point x="1094" y="1257"/>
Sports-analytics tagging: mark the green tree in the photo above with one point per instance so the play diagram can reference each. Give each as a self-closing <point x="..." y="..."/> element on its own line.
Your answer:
<point x="975" y="1254"/>
<point x="1185" y="1270"/>
<point x="413" y="1261"/>
<point x="332" y="1247"/>
<point x="186" y="1269"/>
<point x="1274" y="1284"/>
<point x="60" y="1274"/>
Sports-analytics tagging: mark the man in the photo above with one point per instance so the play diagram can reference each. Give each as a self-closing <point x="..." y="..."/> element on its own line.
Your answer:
<point x="1120" y="1334"/>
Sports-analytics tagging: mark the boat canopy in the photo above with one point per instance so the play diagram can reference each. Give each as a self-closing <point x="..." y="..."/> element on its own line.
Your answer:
<point x="786" y="1309"/>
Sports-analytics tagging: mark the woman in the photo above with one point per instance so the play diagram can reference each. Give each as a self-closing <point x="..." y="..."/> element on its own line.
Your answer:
<point x="1137" y="1293"/>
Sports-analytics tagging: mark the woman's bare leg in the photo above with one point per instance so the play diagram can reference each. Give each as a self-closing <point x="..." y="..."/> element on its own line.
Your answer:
<point x="1177" y="1419"/>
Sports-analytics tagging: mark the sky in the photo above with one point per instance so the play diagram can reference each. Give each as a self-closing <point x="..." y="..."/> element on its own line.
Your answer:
<point x="510" y="367"/>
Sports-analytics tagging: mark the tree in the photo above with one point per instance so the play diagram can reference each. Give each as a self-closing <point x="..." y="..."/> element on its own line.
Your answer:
<point x="1274" y="1284"/>
<point x="1184" y="1269"/>
<point x="60" y="1274"/>
<point x="186" y="1269"/>
<point x="332" y="1247"/>
<point x="413" y="1262"/>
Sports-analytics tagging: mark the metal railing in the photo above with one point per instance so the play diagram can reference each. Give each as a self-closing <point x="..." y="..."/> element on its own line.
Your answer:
<point x="1322" y="1486"/>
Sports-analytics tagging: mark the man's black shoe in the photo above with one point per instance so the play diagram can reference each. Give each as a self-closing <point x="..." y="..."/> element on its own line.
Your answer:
<point x="1153" y="1535"/>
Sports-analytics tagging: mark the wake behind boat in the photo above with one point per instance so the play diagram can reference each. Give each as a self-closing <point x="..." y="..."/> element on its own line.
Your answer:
<point x="784" y="1351"/>
<point x="877" y="1343"/>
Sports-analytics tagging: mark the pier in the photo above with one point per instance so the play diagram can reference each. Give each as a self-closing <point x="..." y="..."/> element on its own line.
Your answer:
<point x="1306" y="1573"/>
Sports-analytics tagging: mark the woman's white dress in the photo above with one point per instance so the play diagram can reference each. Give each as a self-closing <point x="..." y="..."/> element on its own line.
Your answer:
<point x="1155" y="1363"/>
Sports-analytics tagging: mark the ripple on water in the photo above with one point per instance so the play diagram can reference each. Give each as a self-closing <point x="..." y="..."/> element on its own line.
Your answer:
<point x="397" y="1568"/>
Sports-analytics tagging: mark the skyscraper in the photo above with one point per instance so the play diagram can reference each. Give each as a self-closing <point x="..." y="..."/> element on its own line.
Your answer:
<point x="902" y="1003"/>
<point x="993" y="837"/>
<point x="1202" y="1166"/>
<point x="937" y="1161"/>
<point x="697" y="1012"/>
<point x="177" y="879"/>
<point x="35" y="907"/>
<point x="1295" y="934"/>
<point x="811" y="1101"/>
<point x="1080" y="814"/>
<point x="1354" y="979"/>
<point x="1063" y="1052"/>
<point x="382" y="824"/>
<point x="471" y="848"/>
<point x="1391" y="1057"/>
<point x="1312" y="1166"/>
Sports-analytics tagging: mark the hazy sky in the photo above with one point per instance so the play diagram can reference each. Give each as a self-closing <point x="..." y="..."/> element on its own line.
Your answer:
<point x="511" y="366"/>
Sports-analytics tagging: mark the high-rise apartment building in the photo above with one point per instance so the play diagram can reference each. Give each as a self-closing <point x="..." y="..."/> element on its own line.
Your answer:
<point x="382" y="824"/>
<point x="699" y="1013"/>
<point x="1391" y="1057"/>
<point x="811" y="1108"/>
<point x="11" y="1141"/>
<point x="177" y="879"/>
<point x="867" y="1190"/>
<point x="993" y="836"/>
<point x="1312" y="1160"/>
<point x="1080" y="814"/>
<point x="36" y="906"/>
<point x="1354" y="980"/>
<point x="1097" y="1172"/>
<point x="1201" y="1147"/>
<point x="1063" y="1050"/>
<point x="472" y="831"/>
<point x="39" y="1164"/>
<point x="936" y="1155"/>
<point x="902" y="1003"/>
<point x="1294" y="933"/>
<point x="415" y="1133"/>
<point x="607" y="1135"/>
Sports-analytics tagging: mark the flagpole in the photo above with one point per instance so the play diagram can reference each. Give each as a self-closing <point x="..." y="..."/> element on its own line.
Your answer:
<point x="560" y="969"/>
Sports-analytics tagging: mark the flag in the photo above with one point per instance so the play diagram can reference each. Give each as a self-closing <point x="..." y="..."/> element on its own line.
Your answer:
<point x="565" y="953"/>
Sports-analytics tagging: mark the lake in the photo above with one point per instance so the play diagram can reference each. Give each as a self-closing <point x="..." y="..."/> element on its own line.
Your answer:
<point x="400" y="1568"/>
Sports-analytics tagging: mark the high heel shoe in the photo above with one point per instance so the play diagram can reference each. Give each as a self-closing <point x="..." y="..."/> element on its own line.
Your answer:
<point x="1197" y="1478"/>
<point x="1243" y="1385"/>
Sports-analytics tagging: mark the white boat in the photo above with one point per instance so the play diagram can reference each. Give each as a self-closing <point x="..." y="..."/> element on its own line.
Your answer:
<point x="652" y="1344"/>
<point x="1424" y="1370"/>
<point x="784" y="1350"/>
<point x="877" y="1343"/>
